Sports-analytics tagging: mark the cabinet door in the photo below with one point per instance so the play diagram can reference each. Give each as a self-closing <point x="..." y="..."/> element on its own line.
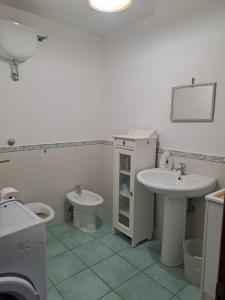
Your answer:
<point x="212" y="240"/>
<point x="123" y="190"/>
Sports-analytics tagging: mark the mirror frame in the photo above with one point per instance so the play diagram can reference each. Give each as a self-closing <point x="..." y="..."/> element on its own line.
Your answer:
<point x="211" y="119"/>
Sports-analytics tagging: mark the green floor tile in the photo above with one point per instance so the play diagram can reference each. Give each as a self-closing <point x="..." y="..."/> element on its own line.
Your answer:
<point x="54" y="247"/>
<point x="103" y="230"/>
<point x="100" y="212"/>
<point x="63" y="266"/>
<point x="92" y="252"/>
<point x="141" y="287"/>
<point x="60" y="228"/>
<point x="114" y="270"/>
<point x="75" y="238"/>
<point x="49" y="224"/>
<point x="83" y="286"/>
<point x="115" y="242"/>
<point x="48" y="234"/>
<point x="108" y="220"/>
<point x="69" y="277"/>
<point x="49" y="284"/>
<point x="141" y="256"/>
<point x="111" y="296"/>
<point x="190" y="292"/>
<point x="105" y="218"/>
<point x="53" y="294"/>
<point x="155" y="245"/>
<point x="172" y="279"/>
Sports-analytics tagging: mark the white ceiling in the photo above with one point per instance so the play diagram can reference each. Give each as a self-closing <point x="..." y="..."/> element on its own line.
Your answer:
<point x="78" y="14"/>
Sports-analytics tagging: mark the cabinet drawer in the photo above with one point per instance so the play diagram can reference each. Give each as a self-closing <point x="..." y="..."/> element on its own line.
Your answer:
<point x="125" y="143"/>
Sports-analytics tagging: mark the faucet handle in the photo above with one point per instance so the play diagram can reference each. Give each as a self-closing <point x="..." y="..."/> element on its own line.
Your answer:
<point x="78" y="187"/>
<point x="183" y="168"/>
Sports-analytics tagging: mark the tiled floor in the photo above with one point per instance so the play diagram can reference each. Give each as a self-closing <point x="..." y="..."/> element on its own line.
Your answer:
<point x="104" y="266"/>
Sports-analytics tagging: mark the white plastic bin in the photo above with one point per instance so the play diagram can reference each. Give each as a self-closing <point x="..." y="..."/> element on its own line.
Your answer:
<point x="193" y="260"/>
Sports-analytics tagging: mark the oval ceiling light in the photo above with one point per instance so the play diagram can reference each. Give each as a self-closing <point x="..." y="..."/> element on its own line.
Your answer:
<point x="110" y="5"/>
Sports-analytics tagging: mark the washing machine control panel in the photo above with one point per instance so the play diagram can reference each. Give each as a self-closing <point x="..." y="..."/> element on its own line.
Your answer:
<point x="27" y="246"/>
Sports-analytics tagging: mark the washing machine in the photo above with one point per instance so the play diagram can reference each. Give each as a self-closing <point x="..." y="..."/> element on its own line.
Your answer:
<point x="22" y="254"/>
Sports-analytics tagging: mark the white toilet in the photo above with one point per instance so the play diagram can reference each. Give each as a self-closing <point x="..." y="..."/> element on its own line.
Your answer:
<point x="43" y="211"/>
<point x="84" y="209"/>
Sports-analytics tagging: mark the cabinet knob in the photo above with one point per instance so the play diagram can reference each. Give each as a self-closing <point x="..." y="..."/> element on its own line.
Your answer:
<point x="124" y="143"/>
<point x="131" y="194"/>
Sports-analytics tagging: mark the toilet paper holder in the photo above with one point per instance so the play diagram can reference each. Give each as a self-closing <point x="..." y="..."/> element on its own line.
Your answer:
<point x="9" y="193"/>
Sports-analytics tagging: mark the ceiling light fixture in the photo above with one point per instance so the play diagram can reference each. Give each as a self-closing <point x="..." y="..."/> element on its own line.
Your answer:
<point x="110" y="5"/>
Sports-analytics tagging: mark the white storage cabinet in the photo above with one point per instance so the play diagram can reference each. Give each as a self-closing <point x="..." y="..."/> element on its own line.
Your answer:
<point x="133" y="204"/>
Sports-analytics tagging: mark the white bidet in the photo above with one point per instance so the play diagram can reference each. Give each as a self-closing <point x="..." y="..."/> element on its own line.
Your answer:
<point x="84" y="209"/>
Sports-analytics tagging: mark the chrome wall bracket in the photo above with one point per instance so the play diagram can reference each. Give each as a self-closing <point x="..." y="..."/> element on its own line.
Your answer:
<point x="41" y="38"/>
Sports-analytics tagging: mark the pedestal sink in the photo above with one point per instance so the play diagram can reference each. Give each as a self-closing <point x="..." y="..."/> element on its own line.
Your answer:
<point x="176" y="189"/>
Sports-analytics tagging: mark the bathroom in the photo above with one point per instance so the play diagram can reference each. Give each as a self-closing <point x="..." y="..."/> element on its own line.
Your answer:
<point x="98" y="75"/>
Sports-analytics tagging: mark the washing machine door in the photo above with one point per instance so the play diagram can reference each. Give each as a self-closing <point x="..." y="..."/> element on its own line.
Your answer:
<point x="16" y="288"/>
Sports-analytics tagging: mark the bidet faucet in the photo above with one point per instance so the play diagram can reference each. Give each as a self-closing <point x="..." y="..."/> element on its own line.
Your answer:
<point x="182" y="169"/>
<point x="78" y="189"/>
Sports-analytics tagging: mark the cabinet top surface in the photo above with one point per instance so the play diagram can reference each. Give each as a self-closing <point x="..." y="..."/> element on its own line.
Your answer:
<point x="217" y="197"/>
<point x="133" y="137"/>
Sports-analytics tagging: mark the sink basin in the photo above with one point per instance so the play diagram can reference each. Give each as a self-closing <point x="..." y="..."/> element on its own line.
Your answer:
<point x="176" y="190"/>
<point x="170" y="183"/>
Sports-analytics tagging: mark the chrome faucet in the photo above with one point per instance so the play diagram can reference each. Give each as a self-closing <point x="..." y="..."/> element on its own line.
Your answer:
<point x="182" y="169"/>
<point x="78" y="189"/>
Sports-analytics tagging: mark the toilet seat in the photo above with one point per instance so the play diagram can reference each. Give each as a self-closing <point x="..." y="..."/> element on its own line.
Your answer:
<point x="43" y="211"/>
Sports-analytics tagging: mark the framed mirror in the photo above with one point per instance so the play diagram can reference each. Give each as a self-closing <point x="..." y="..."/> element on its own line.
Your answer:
<point x="193" y="103"/>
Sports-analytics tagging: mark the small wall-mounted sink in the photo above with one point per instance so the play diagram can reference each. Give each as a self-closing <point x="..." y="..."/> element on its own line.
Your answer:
<point x="176" y="189"/>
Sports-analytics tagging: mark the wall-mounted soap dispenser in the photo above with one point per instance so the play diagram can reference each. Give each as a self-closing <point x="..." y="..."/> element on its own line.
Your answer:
<point x="166" y="161"/>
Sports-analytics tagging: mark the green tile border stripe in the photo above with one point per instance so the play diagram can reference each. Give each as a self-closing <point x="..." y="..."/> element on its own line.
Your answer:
<point x="49" y="146"/>
<point x="198" y="156"/>
<point x="108" y="143"/>
<point x="191" y="155"/>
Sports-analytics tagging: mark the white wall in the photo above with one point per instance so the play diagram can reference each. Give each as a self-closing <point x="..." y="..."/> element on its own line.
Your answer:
<point x="143" y="63"/>
<point x="59" y="95"/>
<point x="47" y="177"/>
<point x="58" y="99"/>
